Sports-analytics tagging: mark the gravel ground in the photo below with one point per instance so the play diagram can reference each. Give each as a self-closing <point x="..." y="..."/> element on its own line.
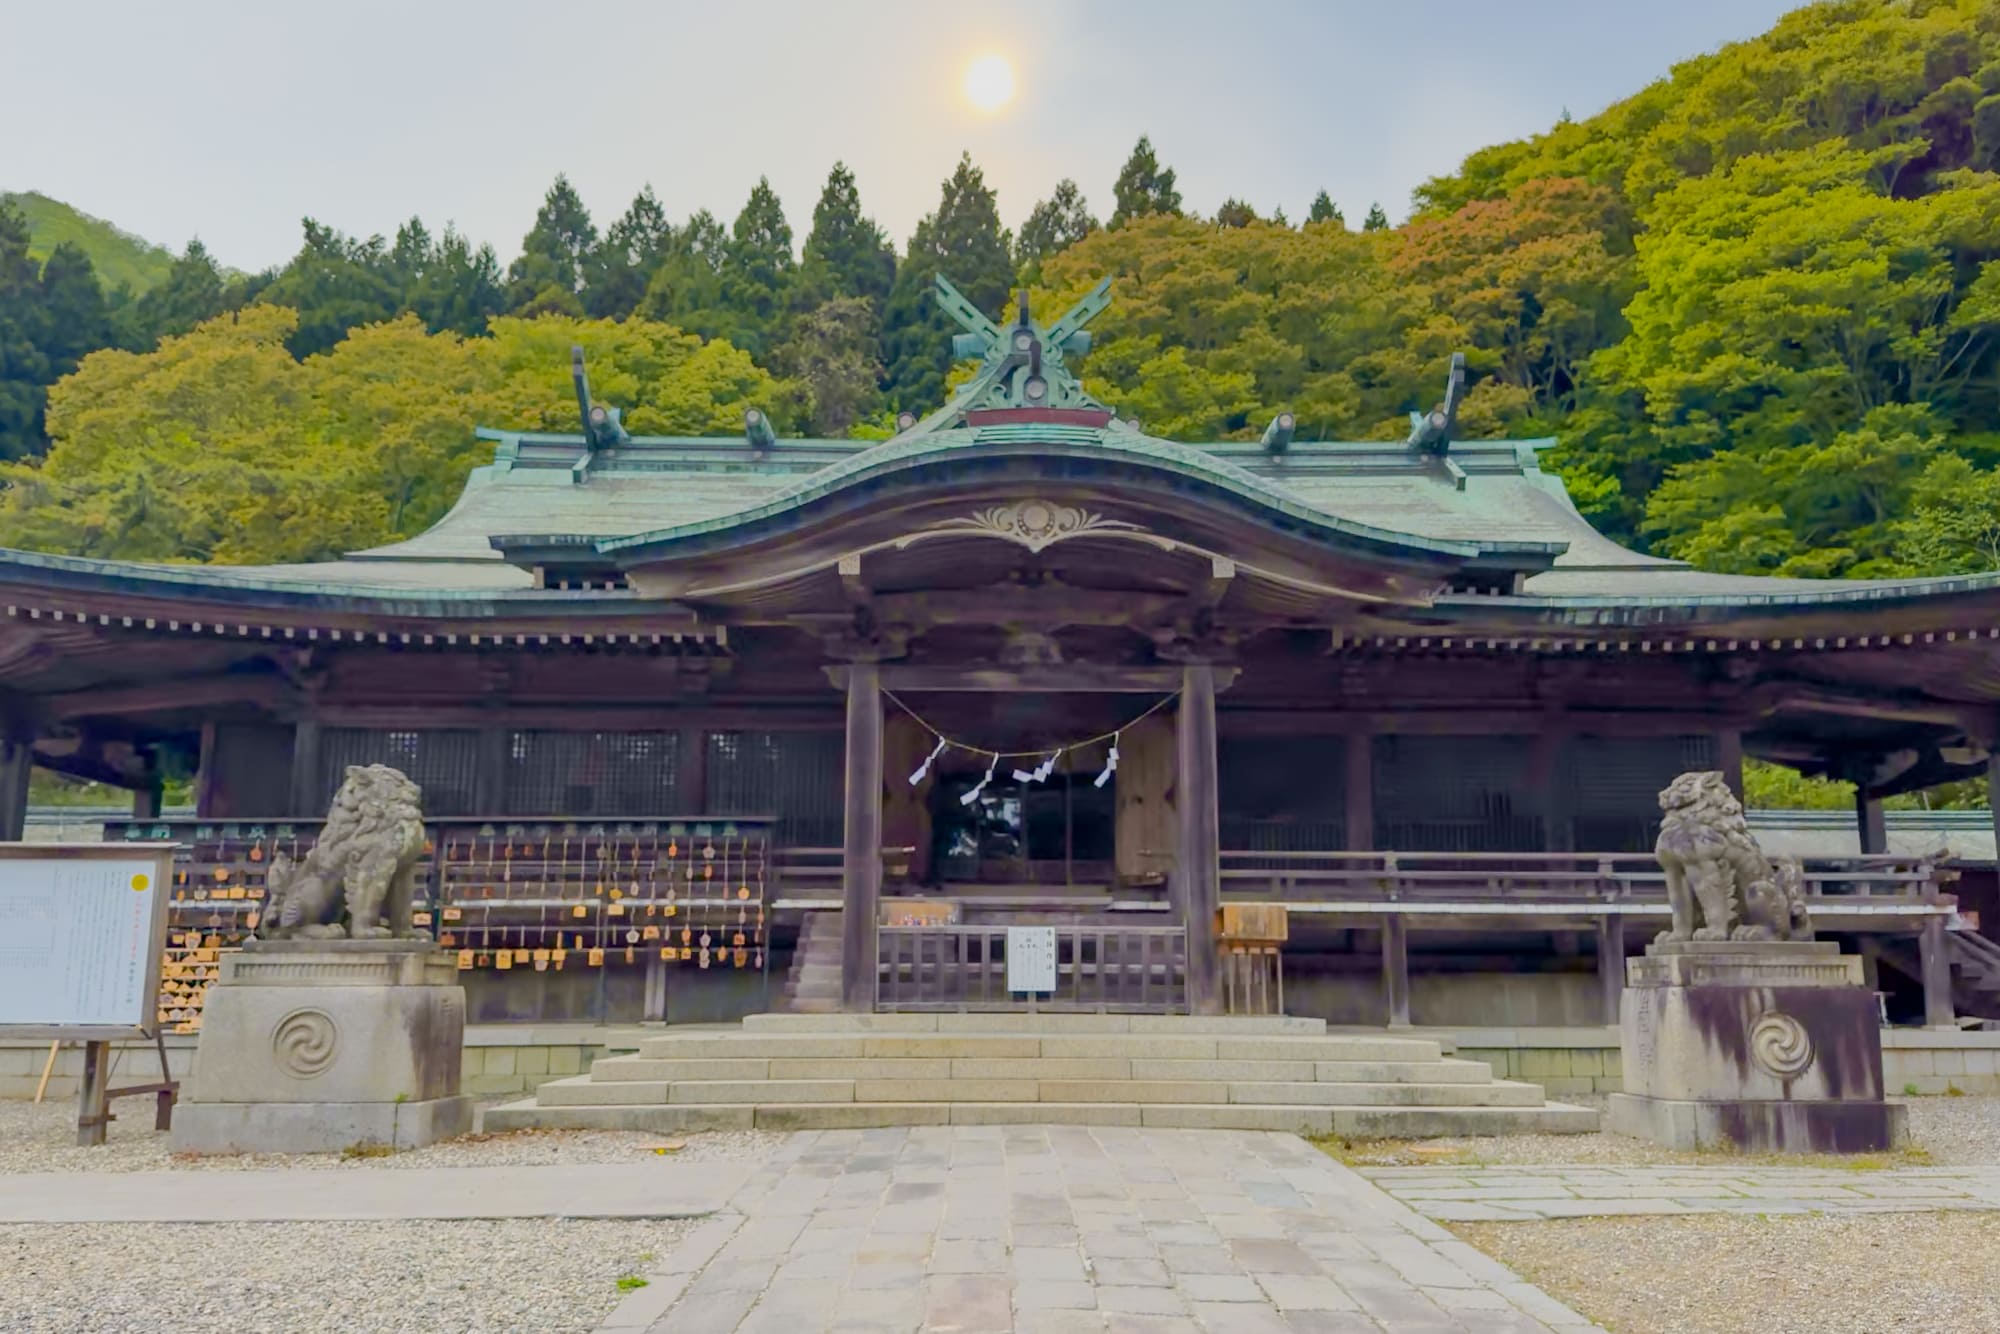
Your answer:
<point x="1943" y="1131"/>
<point x="43" y="1139"/>
<point x="343" y="1278"/>
<point x="1723" y="1274"/>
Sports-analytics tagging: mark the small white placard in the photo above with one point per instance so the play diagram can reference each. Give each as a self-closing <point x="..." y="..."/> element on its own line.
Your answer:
<point x="1031" y="958"/>
<point x="80" y="937"/>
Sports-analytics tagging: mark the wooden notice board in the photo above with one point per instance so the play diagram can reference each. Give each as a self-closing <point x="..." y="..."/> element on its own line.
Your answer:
<point x="82" y="927"/>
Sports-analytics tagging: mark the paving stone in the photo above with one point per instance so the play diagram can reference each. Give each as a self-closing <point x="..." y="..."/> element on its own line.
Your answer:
<point x="1035" y="1294"/>
<point x="1058" y="1263"/>
<point x="1221" y="1288"/>
<point x="969" y="1257"/>
<point x="1334" y="1322"/>
<point x="969" y="1304"/>
<point x="1239" y="1318"/>
<point x="1103" y="1245"/>
<point x="1199" y="1260"/>
<point x="1262" y="1256"/>
<point x="1143" y="1273"/>
<point x="1147" y="1300"/>
<point x="1304" y="1292"/>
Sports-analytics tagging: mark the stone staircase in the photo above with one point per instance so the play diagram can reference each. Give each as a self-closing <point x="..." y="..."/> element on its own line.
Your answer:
<point x="812" y="986"/>
<point x="843" y="1071"/>
<point x="1975" y="969"/>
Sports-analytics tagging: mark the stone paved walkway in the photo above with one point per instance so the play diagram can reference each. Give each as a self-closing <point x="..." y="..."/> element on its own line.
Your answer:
<point x="1505" y="1194"/>
<point x="982" y="1229"/>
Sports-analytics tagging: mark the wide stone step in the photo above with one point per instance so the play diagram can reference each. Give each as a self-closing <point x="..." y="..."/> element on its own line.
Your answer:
<point x="1446" y="1071"/>
<point x="1499" y="1093"/>
<point x="1015" y="1022"/>
<point x="1345" y="1120"/>
<point x="890" y="1042"/>
<point x="583" y="1091"/>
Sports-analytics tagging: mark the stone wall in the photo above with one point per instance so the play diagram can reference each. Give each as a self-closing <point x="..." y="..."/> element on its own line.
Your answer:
<point x="1446" y="1000"/>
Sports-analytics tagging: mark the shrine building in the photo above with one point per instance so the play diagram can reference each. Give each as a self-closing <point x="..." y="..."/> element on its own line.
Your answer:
<point x="707" y="726"/>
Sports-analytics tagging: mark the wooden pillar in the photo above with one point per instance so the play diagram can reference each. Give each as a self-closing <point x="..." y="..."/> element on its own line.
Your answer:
<point x="1729" y="758"/>
<point x="1548" y="780"/>
<point x="1360" y="791"/>
<point x="305" y="801"/>
<point x="93" y="1104"/>
<point x="1873" y="826"/>
<point x="1934" y="957"/>
<point x="1198" y="863"/>
<point x="489" y="783"/>
<point x="146" y="800"/>
<point x="693" y="760"/>
<point x="861" y="850"/>
<point x="1396" y="969"/>
<point x="204" y="773"/>
<point x="17" y="766"/>
<point x="1610" y="964"/>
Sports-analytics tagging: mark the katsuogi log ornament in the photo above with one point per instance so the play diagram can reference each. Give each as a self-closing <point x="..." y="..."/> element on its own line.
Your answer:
<point x="365" y="861"/>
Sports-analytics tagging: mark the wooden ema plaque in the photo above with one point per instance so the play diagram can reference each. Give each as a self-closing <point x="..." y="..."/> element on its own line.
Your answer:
<point x="1253" y="974"/>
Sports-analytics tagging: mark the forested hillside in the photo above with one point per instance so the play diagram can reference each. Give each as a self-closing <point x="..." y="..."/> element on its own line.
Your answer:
<point x="119" y="258"/>
<point x="1757" y="302"/>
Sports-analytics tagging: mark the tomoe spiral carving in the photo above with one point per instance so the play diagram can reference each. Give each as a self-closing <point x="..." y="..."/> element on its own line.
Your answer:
<point x="304" y="1042"/>
<point x="1781" y="1045"/>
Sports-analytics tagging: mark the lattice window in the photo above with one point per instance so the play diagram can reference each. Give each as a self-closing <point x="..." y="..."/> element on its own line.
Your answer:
<point x="1614" y="784"/>
<point x="443" y="763"/>
<point x="799" y="777"/>
<point x="579" y="774"/>
<point x="1283" y="793"/>
<point x="1455" y="794"/>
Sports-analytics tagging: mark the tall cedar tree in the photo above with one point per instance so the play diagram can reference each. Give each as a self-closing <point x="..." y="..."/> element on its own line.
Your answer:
<point x="1143" y="187"/>
<point x="964" y="241"/>
<point x="1235" y="213"/>
<point x="194" y="291"/>
<point x="555" y="256"/>
<point x="758" y="272"/>
<point x="1056" y="224"/>
<point x="846" y="253"/>
<point x="446" y="283"/>
<point x="1376" y="221"/>
<point x="1325" y="210"/>
<point x="335" y="283"/>
<point x="832" y="353"/>
<point x="51" y="314"/>
<point x="633" y="247"/>
<point x="686" y="289"/>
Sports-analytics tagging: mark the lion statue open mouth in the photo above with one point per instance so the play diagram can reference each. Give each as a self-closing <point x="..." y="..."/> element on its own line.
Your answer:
<point x="1719" y="883"/>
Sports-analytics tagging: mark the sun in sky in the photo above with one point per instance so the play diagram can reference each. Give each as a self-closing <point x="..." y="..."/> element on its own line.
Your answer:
<point x="989" y="83"/>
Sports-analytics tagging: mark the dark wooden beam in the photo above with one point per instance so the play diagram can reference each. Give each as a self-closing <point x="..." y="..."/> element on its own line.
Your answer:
<point x="1610" y="965"/>
<point x="1934" y="958"/>
<point x="861" y="843"/>
<point x="161" y="696"/>
<point x="1079" y="677"/>
<point x="1198" y="866"/>
<point x="1396" y="969"/>
<point x="17" y="764"/>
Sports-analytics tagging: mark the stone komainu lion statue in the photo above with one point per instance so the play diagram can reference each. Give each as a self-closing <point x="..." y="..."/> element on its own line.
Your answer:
<point x="366" y="857"/>
<point x="1719" y="883"/>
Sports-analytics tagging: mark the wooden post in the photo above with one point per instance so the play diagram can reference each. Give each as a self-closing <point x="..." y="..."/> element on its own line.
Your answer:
<point x="93" y="1094"/>
<point x="1729" y="758"/>
<point x="306" y="803"/>
<point x="489" y="782"/>
<point x="1359" y="820"/>
<point x="1934" y="958"/>
<point x="1198" y="865"/>
<point x="861" y="851"/>
<point x="693" y="761"/>
<point x="1548" y="781"/>
<point x="48" y="1068"/>
<point x="1873" y="826"/>
<point x="1611" y="963"/>
<point x="17" y="765"/>
<point x="1396" y="969"/>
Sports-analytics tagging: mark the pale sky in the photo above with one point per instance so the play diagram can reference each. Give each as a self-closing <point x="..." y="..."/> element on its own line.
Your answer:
<point x="232" y="119"/>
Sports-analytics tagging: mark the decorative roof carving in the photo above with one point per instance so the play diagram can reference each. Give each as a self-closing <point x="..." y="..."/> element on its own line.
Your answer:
<point x="1036" y="524"/>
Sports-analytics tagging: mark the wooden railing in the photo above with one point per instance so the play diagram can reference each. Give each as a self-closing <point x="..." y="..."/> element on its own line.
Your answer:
<point x="1098" y="968"/>
<point x="1522" y="881"/>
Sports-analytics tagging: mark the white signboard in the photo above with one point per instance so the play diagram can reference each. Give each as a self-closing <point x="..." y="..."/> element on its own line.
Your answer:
<point x="1031" y="958"/>
<point x="81" y="930"/>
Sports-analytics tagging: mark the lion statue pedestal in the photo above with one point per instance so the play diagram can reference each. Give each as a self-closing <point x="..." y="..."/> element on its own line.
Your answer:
<point x="1739" y="1029"/>
<point x="334" y="1036"/>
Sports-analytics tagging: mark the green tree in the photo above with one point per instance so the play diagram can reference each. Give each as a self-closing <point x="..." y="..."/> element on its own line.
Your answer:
<point x="1235" y="213"/>
<point x="1325" y="210"/>
<point x="193" y="291"/>
<point x="24" y="360"/>
<point x="758" y="271"/>
<point x="633" y="248"/>
<point x="1376" y="221"/>
<point x="686" y="289"/>
<point x="334" y="283"/>
<point x="454" y="287"/>
<point x="965" y="242"/>
<point x="1054" y="225"/>
<point x="555" y="255"/>
<point x="831" y="354"/>
<point x="846" y="254"/>
<point x="1143" y="187"/>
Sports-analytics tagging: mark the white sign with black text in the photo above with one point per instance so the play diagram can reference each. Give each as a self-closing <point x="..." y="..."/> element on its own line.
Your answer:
<point x="1031" y="959"/>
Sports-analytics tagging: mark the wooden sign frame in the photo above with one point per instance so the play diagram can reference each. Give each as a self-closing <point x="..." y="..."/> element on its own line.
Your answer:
<point x="161" y="856"/>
